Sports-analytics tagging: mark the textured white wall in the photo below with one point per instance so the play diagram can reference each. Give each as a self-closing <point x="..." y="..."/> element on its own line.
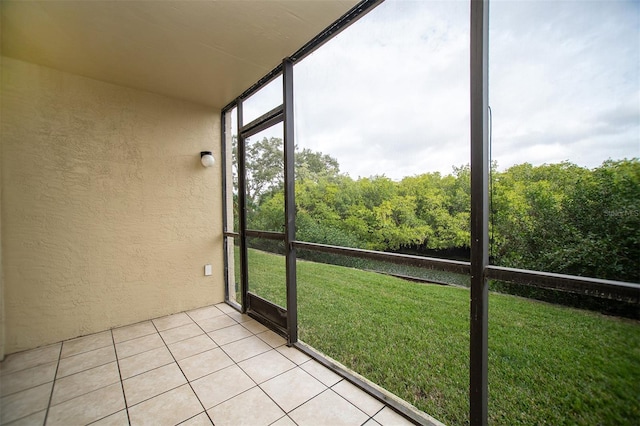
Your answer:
<point x="107" y="215"/>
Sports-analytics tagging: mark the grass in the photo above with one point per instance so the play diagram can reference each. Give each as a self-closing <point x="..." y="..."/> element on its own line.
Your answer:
<point x="547" y="364"/>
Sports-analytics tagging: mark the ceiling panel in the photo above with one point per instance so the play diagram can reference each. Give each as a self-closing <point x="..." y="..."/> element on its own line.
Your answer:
<point x="203" y="51"/>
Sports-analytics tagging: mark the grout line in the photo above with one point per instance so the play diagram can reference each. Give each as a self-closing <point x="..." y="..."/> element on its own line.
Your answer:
<point x="256" y="385"/>
<point x="204" y="307"/>
<point x="155" y="396"/>
<point x="124" y="396"/>
<point x="87" y="368"/>
<point x="203" y="330"/>
<point x="90" y="390"/>
<point x="233" y="341"/>
<point x="146" y="371"/>
<point x="139" y="353"/>
<point x="175" y="326"/>
<point x="31" y="386"/>
<point x="84" y="352"/>
<point x="277" y="420"/>
<point x="161" y="393"/>
<point x="308" y="400"/>
<point x="378" y="412"/>
<point x="182" y="371"/>
<point x="133" y="338"/>
<point x="270" y="378"/>
<point x="53" y="385"/>
<point x="226" y="326"/>
<point x="193" y="417"/>
<point x="367" y="421"/>
<point x="358" y="408"/>
<point x="236" y="395"/>
<point x="342" y="379"/>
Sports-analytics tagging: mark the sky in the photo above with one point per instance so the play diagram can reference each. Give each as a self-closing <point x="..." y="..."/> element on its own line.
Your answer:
<point x="390" y="94"/>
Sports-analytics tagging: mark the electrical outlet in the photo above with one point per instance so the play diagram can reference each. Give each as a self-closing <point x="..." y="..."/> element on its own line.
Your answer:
<point x="207" y="270"/>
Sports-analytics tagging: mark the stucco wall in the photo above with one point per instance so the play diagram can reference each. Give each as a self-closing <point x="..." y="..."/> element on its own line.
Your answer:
<point x="108" y="217"/>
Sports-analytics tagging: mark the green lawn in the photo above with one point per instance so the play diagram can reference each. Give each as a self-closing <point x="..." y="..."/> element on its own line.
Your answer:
<point x="547" y="364"/>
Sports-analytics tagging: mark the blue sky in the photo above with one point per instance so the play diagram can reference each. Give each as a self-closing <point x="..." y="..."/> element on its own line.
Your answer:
<point x="389" y="95"/>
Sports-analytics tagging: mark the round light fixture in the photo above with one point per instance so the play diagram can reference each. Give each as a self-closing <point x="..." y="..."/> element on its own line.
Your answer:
<point x="206" y="158"/>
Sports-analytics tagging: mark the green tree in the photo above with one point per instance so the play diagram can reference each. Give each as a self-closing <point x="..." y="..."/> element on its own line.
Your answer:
<point x="567" y="219"/>
<point x="554" y="217"/>
<point x="264" y="166"/>
<point x="604" y="209"/>
<point x="442" y="203"/>
<point x="529" y="221"/>
<point x="312" y="165"/>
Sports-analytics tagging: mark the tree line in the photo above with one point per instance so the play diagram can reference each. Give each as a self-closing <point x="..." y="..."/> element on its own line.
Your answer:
<point x="554" y="217"/>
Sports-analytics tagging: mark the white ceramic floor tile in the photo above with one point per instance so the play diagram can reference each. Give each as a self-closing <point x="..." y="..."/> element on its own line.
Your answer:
<point x="182" y="332"/>
<point x="170" y="408"/>
<point x="24" y="403"/>
<point x="192" y="346"/>
<point x="358" y="397"/>
<point x="239" y="317"/>
<point x="86" y="343"/>
<point x="272" y="339"/>
<point x="328" y="408"/>
<point x="230" y="334"/>
<point x="116" y="419"/>
<point x="225" y="308"/>
<point x="32" y="358"/>
<point x="152" y="383"/>
<point x="205" y="312"/>
<point x="284" y="421"/>
<point x="172" y="321"/>
<point x="138" y="345"/>
<point x="29" y="378"/>
<point x="388" y="417"/>
<point x="144" y="361"/>
<point x="201" y="419"/>
<point x="254" y="326"/>
<point x="86" y="381"/>
<point x="216" y="323"/>
<point x="134" y="331"/>
<point x="221" y="385"/>
<point x="87" y="408"/>
<point x="321" y="372"/>
<point x="266" y="366"/>
<point x="293" y="354"/>
<point x="293" y="388"/>
<point x="251" y="408"/>
<point x="35" y="419"/>
<point x="246" y="348"/>
<point x="86" y="360"/>
<point x="204" y="363"/>
<point x="267" y="379"/>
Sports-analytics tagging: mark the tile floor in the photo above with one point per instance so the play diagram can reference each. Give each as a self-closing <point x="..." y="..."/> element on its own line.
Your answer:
<point x="209" y="365"/>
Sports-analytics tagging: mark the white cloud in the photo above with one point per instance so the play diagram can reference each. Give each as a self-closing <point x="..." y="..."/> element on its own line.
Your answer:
<point x="389" y="95"/>
<point x="565" y="81"/>
<point x="382" y="83"/>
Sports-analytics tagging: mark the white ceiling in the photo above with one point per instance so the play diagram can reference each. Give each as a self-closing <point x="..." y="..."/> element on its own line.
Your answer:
<point x="203" y="51"/>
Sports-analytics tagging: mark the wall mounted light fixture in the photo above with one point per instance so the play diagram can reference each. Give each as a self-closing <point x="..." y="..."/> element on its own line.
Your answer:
<point x="206" y="158"/>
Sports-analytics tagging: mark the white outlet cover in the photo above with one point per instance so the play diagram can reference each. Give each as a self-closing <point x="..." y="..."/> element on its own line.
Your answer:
<point x="207" y="270"/>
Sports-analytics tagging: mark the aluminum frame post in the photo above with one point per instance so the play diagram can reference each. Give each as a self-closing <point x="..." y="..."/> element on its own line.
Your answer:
<point x="479" y="104"/>
<point x="225" y="207"/>
<point x="290" y="202"/>
<point x="242" y="211"/>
